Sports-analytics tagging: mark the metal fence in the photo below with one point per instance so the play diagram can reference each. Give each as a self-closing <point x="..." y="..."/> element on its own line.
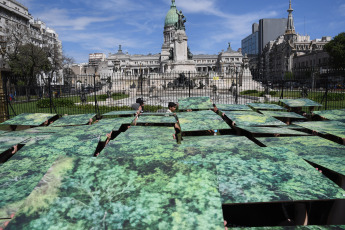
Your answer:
<point x="101" y="94"/>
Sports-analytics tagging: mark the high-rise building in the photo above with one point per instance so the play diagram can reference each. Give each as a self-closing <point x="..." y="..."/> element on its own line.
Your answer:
<point x="250" y="45"/>
<point x="270" y="29"/>
<point x="267" y="30"/>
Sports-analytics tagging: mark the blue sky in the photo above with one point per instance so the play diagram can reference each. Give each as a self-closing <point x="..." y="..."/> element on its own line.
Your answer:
<point x="89" y="26"/>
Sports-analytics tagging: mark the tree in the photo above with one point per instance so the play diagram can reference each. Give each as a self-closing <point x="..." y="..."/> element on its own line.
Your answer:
<point x="28" y="56"/>
<point x="67" y="70"/>
<point x="336" y="50"/>
<point x="27" y="62"/>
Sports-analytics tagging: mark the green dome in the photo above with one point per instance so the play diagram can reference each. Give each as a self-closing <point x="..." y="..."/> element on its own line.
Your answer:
<point x="172" y="16"/>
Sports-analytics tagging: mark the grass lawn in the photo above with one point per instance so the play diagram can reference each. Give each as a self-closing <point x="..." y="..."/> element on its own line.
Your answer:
<point x="335" y="100"/>
<point x="31" y="107"/>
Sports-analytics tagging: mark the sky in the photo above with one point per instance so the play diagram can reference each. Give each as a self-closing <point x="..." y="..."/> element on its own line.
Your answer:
<point x="100" y="26"/>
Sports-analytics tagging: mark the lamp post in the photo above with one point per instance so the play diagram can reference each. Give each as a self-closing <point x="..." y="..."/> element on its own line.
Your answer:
<point x="3" y="96"/>
<point x="237" y="69"/>
<point x="140" y="79"/>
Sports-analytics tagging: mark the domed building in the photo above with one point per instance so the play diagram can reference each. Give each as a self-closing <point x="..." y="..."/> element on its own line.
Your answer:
<point x="124" y="63"/>
<point x="171" y="20"/>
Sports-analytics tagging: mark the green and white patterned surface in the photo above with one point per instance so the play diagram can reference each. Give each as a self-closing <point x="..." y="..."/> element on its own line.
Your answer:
<point x="233" y="107"/>
<point x="264" y="106"/>
<point x="333" y="115"/>
<point x="335" y="128"/>
<point x="138" y="133"/>
<point x="201" y="121"/>
<point x="7" y="142"/>
<point x="18" y="178"/>
<point x="312" y="148"/>
<point x="85" y="193"/>
<point x="271" y="175"/>
<point x="195" y="103"/>
<point x="120" y="113"/>
<point x="29" y="119"/>
<point x="301" y="102"/>
<point x="156" y="120"/>
<point x="272" y="130"/>
<point x="243" y="118"/>
<point x="282" y="114"/>
<point x="70" y="120"/>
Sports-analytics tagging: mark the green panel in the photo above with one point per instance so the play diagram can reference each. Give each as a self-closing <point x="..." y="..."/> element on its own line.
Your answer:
<point x="120" y="113"/>
<point x="263" y="106"/>
<point x="334" y="115"/>
<point x="156" y="120"/>
<point x="37" y="138"/>
<point x="252" y="119"/>
<point x="74" y="140"/>
<point x="7" y="142"/>
<point x="157" y="114"/>
<point x="3" y="132"/>
<point x="272" y="175"/>
<point x="291" y="126"/>
<point x="309" y="227"/>
<point x="164" y="150"/>
<point x="198" y="103"/>
<point x="84" y="193"/>
<point x="312" y="148"/>
<point x="202" y="124"/>
<point x="283" y="114"/>
<point x="218" y="143"/>
<point x="45" y="129"/>
<point x="160" y="149"/>
<point x="116" y="123"/>
<point x="137" y="133"/>
<point x="30" y="119"/>
<point x="233" y="107"/>
<point x="301" y="102"/>
<point x="272" y="130"/>
<point x="80" y="119"/>
<point x="18" y="177"/>
<point x="81" y="145"/>
<point x="197" y="114"/>
<point x="335" y="128"/>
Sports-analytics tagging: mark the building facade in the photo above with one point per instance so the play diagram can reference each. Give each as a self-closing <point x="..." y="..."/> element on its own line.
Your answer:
<point x="250" y="45"/>
<point x="267" y="30"/>
<point x="96" y="58"/>
<point x="125" y="63"/>
<point x="286" y="52"/>
<point x="15" y="18"/>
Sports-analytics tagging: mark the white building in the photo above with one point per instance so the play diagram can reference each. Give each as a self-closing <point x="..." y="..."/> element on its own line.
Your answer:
<point x="125" y="63"/>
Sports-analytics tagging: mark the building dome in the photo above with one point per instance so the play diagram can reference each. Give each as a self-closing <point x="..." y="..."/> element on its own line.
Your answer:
<point x="172" y="16"/>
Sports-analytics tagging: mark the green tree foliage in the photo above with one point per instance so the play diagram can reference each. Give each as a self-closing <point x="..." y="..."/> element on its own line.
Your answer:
<point x="336" y="50"/>
<point x="124" y="194"/>
<point x="28" y="61"/>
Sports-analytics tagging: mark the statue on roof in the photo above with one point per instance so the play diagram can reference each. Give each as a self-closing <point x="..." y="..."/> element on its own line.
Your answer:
<point x="181" y="21"/>
<point x="189" y="54"/>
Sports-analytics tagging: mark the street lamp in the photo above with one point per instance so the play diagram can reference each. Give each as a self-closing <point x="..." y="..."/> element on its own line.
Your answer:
<point x="237" y="69"/>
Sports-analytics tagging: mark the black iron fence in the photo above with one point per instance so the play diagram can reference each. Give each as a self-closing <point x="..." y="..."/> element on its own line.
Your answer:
<point x="103" y="93"/>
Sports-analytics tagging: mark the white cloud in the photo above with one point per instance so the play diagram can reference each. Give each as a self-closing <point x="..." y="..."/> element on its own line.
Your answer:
<point x="63" y="18"/>
<point x="199" y="6"/>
